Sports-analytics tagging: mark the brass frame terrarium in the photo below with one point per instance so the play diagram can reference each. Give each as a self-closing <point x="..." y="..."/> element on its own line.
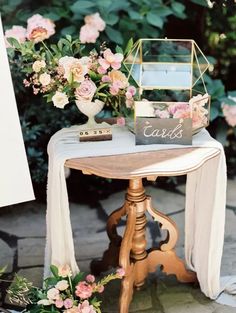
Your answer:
<point x="168" y="71"/>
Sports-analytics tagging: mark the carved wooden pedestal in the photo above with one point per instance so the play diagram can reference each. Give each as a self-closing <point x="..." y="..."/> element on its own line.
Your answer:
<point x="130" y="252"/>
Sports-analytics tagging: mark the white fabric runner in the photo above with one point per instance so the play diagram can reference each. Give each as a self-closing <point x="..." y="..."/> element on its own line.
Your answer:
<point x="205" y="200"/>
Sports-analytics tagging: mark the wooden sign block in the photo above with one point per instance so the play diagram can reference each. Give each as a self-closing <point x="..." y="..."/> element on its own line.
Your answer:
<point x="153" y="130"/>
<point x="97" y="134"/>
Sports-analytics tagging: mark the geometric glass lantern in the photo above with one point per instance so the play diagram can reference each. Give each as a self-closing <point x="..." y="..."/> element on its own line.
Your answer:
<point x="168" y="71"/>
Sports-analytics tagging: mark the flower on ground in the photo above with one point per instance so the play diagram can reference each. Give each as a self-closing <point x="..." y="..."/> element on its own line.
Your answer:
<point x="86" y="90"/>
<point x="17" y="32"/>
<point x="85" y="307"/>
<point x="53" y="294"/>
<point x="62" y="285"/>
<point x="64" y="271"/>
<point x="68" y="303"/>
<point x="83" y="290"/>
<point x="60" y="99"/>
<point x="39" y="28"/>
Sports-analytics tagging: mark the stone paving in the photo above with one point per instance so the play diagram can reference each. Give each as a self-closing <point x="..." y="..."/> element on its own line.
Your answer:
<point x="22" y="240"/>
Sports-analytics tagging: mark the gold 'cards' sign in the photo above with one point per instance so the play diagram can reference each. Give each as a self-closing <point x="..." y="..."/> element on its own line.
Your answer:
<point x="155" y="123"/>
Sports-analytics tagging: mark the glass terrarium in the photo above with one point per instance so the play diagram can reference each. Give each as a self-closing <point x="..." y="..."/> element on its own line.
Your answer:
<point x="169" y="73"/>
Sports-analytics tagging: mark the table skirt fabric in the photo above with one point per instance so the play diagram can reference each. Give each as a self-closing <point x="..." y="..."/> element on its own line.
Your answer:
<point x="205" y="202"/>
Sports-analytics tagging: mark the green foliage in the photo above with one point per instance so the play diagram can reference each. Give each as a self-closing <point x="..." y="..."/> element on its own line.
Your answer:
<point x="215" y="30"/>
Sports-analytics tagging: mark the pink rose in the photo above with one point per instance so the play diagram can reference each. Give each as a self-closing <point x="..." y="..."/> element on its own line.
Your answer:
<point x="96" y="21"/>
<point x="162" y="113"/>
<point x="68" y="303"/>
<point x="88" y="34"/>
<point x="86" y="90"/>
<point x="183" y="106"/>
<point x="17" y="32"/>
<point x="131" y="90"/>
<point x="85" y="307"/>
<point x="90" y="278"/>
<point x="229" y="112"/>
<point x="59" y="303"/>
<point x="39" y="28"/>
<point x="83" y="290"/>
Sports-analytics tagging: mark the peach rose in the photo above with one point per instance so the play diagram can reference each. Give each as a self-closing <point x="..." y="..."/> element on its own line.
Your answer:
<point x="73" y="68"/>
<point x="118" y="77"/>
<point x="96" y="21"/>
<point x="39" y="28"/>
<point x="64" y="271"/>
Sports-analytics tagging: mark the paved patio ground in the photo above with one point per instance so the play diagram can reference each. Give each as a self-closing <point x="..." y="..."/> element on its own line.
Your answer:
<point x="22" y="240"/>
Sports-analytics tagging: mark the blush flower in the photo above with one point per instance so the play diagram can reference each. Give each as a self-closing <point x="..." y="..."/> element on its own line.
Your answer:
<point x="162" y="113"/>
<point x="88" y="34"/>
<point x="64" y="271"/>
<point x="38" y="65"/>
<point x="90" y="278"/>
<point x="53" y="294"/>
<point x="39" y="28"/>
<point x="17" y="32"/>
<point x="96" y="21"/>
<point x="174" y="107"/>
<point x="62" y="285"/>
<point x="83" y="290"/>
<point x="60" y="99"/>
<point x="118" y="78"/>
<point x="59" y="303"/>
<point x="45" y="79"/>
<point x="229" y="112"/>
<point x="111" y="60"/>
<point x="86" y="90"/>
<point x="68" y="303"/>
<point x="73" y="68"/>
<point x="85" y="307"/>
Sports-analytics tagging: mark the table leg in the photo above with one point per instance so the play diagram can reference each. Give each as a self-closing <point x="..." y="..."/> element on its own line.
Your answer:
<point x="110" y="257"/>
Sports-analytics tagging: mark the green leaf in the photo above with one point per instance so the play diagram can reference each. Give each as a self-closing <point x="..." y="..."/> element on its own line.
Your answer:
<point x="119" y="50"/>
<point x="78" y="277"/>
<point x="163" y="11"/>
<point x="54" y="270"/>
<point x="227" y="100"/>
<point x="52" y="16"/>
<point x="104" y="3"/>
<point x="135" y="15"/>
<point x="214" y="113"/>
<point x="201" y="2"/>
<point x="14" y="42"/>
<point x="80" y="5"/>
<point x="177" y="7"/>
<point x="155" y="20"/>
<point x="129" y="46"/>
<point x="114" y="35"/>
<point x="111" y="19"/>
<point x="68" y="30"/>
<point x="68" y="37"/>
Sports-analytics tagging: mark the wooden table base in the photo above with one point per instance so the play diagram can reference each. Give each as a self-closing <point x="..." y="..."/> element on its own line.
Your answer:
<point x="130" y="251"/>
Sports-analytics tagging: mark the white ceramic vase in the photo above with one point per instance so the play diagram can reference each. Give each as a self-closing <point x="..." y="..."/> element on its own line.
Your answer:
<point x="90" y="109"/>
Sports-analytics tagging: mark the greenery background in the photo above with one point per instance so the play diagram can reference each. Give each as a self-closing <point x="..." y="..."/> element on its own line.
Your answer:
<point x="212" y="26"/>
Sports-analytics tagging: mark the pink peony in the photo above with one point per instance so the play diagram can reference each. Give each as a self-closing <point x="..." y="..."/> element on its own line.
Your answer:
<point x="88" y="34"/>
<point x="229" y="112"/>
<point x="111" y="59"/>
<point x="96" y="21"/>
<point x="90" y="278"/>
<point x="85" y="307"/>
<point x="83" y="290"/>
<point x="86" y="90"/>
<point x="39" y="28"/>
<point x="17" y="32"/>
<point x="68" y="303"/>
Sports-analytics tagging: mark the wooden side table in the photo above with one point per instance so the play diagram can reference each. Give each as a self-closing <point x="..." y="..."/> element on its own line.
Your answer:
<point x="130" y="251"/>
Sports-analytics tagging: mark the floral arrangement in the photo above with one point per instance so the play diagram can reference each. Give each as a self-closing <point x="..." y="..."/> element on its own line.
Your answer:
<point x="194" y="109"/>
<point x="67" y="71"/>
<point x="61" y="292"/>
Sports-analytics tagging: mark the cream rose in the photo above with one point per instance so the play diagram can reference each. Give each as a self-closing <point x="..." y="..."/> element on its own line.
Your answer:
<point x="60" y="99"/>
<point x="38" y="65"/>
<point x="86" y="90"/>
<point x="53" y="294"/>
<point x="45" y="79"/>
<point x="62" y="285"/>
<point x="73" y="68"/>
